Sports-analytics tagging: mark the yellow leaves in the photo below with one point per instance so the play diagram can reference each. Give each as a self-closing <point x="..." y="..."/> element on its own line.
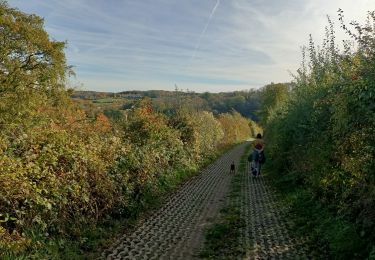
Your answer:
<point x="13" y="242"/>
<point x="236" y="128"/>
<point x="62" y="167"/>
<point x="32" y="70"/>
<point x="102" y="123"/>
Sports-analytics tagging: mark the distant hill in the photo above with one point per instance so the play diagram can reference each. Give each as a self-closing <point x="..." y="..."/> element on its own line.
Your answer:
<point x="244" y="102"/>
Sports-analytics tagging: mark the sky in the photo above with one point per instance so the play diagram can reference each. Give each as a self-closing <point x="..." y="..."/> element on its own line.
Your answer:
<point x="196" y="45"/>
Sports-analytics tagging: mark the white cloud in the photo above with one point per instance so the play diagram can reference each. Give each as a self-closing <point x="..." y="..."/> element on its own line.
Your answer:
<point x="117" y="45"/>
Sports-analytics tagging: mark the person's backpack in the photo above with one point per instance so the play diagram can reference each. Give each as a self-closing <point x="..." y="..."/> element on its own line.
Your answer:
<point x="250" y="157"/>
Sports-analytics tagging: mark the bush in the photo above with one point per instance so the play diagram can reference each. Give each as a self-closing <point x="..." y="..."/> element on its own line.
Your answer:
<point x="322" y="137"/>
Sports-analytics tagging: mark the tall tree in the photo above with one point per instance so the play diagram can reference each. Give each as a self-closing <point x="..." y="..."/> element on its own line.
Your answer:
<point x="32" y="66"/>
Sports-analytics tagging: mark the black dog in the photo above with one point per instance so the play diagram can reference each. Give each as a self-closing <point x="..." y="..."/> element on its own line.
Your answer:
<point x="232" y="168"/>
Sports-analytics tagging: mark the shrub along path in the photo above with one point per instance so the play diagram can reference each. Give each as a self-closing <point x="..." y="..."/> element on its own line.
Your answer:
<point x="176" y="231"/>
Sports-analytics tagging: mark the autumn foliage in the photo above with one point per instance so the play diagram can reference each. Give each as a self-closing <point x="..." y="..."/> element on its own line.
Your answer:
<point x="62" y="171"/>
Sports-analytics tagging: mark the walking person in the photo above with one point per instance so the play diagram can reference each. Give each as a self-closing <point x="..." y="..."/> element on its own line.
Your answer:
<point x="257" y="155"/>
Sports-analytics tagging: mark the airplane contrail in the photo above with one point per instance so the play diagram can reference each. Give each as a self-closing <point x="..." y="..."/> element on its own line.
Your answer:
<point x="204" y="30"/>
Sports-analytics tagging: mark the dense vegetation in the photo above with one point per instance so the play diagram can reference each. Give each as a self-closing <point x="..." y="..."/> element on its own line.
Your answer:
<point x="321" y="139"/>
<point x="63" y="169"/>
<point x="67" y="164"/>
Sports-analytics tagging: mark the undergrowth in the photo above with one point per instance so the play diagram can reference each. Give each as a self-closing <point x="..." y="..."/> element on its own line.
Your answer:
<point x="94" y="240"/>
<point x="328" y="234"/>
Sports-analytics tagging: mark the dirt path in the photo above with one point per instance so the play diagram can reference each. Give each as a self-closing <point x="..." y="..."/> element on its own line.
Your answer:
<point x="176" y="231"/>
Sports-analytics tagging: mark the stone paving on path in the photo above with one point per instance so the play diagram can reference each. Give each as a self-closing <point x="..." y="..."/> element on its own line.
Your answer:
<point x="266" y="231"/>
<point x="176" y="231"/>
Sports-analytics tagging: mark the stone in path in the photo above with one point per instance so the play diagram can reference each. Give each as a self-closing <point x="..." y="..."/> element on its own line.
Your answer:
<point x="176" y="231"/>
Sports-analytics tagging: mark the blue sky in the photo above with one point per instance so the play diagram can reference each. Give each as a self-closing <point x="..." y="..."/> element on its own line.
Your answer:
<point x="200" y="45"/>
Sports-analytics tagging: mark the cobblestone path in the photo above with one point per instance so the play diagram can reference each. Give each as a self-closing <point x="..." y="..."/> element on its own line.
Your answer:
<point x="265" y="235"/>
<point x="176" y="231"/>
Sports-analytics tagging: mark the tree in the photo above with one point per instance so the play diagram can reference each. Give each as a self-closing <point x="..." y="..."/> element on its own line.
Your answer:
<point x="272" y="96"/>
<point x="32" y="66"/>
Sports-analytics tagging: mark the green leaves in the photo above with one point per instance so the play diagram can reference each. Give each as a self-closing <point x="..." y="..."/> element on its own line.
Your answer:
<point x="33" y="67"/>
<point x="322" y="138"/>
<point x="6" y="217"/>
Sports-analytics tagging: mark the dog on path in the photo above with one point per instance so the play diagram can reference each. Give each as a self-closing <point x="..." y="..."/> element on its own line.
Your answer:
<point x="232" y="168"/>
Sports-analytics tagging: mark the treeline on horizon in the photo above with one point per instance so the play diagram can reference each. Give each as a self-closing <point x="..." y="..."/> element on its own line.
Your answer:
<point x="64" y="169"/>
<point x="320" y="137"/>
<point x="244" y="102"/>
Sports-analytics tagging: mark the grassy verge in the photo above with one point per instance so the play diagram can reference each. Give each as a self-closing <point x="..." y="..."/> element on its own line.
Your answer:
<point x="328" y="235"/>
<point x="93" y="240"/>
<point x="222" y="238"/>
